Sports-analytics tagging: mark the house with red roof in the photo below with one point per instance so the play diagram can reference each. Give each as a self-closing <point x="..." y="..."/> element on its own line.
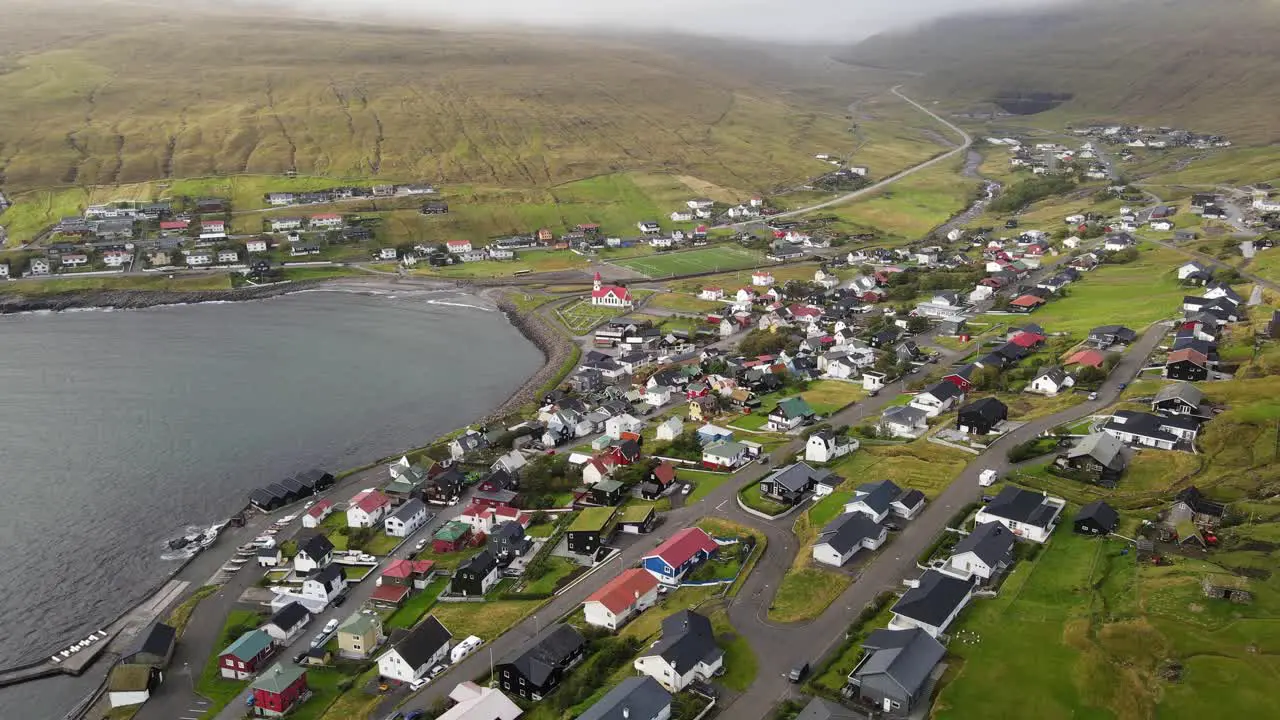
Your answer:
<point x="317" y="513"/>
<point x="762" y="278"/>
<point x="484" y="518"/>
<point x="367" y="509"/>
<point x="400" y="580"/>
<point x="326" y="221"/>
<point x="174" y="225"/>
<point x="458" y="246"/>
<point x="683" y="551"/>
<point x="610" y="295"/>
<point x="1026" y="303"/>
<point x="1028" y="340"/>
<point x="623" y="597"/>
<point x="1187" y="364"/>
<point x="1092" y="358"/>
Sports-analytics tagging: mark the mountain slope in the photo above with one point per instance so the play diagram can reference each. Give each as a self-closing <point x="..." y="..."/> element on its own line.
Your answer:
<point x="181" y="95"/>
<point x="1211" y="65"/>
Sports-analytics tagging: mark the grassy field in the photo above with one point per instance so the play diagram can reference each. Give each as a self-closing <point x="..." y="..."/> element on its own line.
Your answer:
<point x="580" y="316"/>
<point x="417" y="606"/>
<point x="487" y="620"/>
<point x="1105" y="296"/>
<point x="731" y="281"/>
<point x="919" y="464"/>
<point x="684" y="303"/>
<point x="915" y="205"/>
<point x="703" y="482"/>
<point x="179" y="283"/>
<point x="211" y="684"/>
<point x="688" y="262"/>
<point x="753" y="499"/>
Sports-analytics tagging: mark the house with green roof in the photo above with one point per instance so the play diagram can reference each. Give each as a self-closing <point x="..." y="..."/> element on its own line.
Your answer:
<point x="359" y="636"/>
<point x="243" y="658"/>
<point x="452" y="537"/>
<point x="638" y="518"/>
<point x="591" y="529"/>
<point x="278" y="690"/>
<point x="790" y="414"/>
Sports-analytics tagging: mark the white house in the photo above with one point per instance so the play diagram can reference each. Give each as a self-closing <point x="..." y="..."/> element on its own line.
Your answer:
<point x="762" y="278"/>
<point x="657" y="395"/>
<point x="904" y="421"/>
<point x="713" y="294"/>
<point x="825" y="446"/>
<point x="115" y="258"/>
<point x="1051" y="381"/>
<point x="670" y="429"/>
<point x="1163" y="225"/>
<point x="317" y="513"/>
<point x="256" y="246"/>
<point x="937" y="399"/>
<point x="269" y="557"/>
<point x="1029" y="515"/>
<point x="406" y="519"/>
<point x="326" y="221"/>
<point x="288" y="623"/>
<point x="228" y="256"/>
<point x="624" y="423"/>
<point x="724" y="455"/>
<point x="985" y="552"/>
<point x="424" y="647"/>
<point x="872" y="381"/>
<point x="686" y="652"/>
<point x="285" y="224"/>
<point x="679" y="216"/>
<point x="932" y="604"/>
<point x="313" y="553"/>
<point x="320" y="589"/>
<point x="367" y="509"/>
<point x="632" y="592"/>
<point x="699" y="203"/>
<point x="1071" y="243"/>
<point x="131" y="684"/>
<point x="843" y="537"/>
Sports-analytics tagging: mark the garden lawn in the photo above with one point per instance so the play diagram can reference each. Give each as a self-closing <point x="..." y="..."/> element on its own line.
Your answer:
<point x="703" y="483"/>
<point x="740" y="665"/>
<point x="323" y="683"/>
<point x="756" y="501"/>
<point x="1135" y="294"/>
<point x="828" y="396"/>
<point x="417" y="606"/>
<point x="581" y="316"/>
<point x="487" y="620"/>
<point x="749" y="422"/>
<point x="211" y="684"/>
<point x="919" y="464"/>
<point x="805" y="593"/>
<point x="356" y="702"/>
<point x="709" y="259"/>
<point x="557" y="568"/>
<point x="684" y="303"/>
<point x="446" y="562"/>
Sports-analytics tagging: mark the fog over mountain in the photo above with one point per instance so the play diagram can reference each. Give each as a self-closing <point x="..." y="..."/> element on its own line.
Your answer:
<point x="785" y="22"/>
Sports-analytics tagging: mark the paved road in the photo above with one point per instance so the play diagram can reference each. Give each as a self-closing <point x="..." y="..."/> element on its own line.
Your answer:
<point x="781" y="647"/>
<point x="966" y="142"/>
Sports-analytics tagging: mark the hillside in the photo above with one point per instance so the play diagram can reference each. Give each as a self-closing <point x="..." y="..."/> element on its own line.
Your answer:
<point x="165" y="94"/>
<point x="1211" y="66"/>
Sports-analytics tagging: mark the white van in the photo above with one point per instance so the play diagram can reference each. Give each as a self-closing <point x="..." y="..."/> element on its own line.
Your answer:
<point x="987" y="478"/>
<point x="463" y="649"/>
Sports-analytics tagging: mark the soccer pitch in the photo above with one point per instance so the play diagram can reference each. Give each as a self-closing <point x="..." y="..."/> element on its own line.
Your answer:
<point x="711" y="259"/>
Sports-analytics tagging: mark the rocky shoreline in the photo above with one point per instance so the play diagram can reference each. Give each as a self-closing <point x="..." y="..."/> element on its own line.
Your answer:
<point x="137" y="299"/>
<point x="555" y="347"/>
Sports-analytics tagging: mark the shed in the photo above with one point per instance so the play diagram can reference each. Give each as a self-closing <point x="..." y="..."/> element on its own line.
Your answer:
<point x="1227" y="587"/>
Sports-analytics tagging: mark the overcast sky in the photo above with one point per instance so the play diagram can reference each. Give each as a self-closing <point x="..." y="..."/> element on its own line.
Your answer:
<point x="784" y="20"/>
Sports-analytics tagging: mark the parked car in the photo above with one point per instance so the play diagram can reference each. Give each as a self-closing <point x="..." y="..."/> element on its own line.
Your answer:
<point x="339" y="599"/>
<point x="421" y="544"/>
<point x="319" y="640"/>
<point x="987" y="478"/>
<point x="416" y="684"/>
<point x="686" y="489"/>
<point x="297" y="659"/>
<point x="1093" y="396"/>
<point x="798" y="672"/>
<point x="331" y="626"/>
<point x="435" y="671"/>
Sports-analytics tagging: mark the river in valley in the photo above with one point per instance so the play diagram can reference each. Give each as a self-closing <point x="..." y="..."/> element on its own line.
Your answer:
<point x="119" y="429"/>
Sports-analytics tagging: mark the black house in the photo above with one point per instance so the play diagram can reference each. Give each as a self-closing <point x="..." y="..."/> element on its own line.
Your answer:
<point x="265" y="500"/>
<point x="542" y="664"/>
<point x="443" y="489"/>
<point x="316" y="479"/>
<point x="1096" y="518"/>
<point x="981" y="416"/>
<point x="508" y="540"/>
<point x="475" y="575"/>
<point x="153" y="646"/>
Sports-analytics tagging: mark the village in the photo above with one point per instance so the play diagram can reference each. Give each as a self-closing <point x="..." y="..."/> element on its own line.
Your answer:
<point x="771" y="402"/>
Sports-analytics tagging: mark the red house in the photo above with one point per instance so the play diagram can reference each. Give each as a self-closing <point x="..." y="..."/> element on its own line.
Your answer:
<point x="243" y="658"/>
<point x="1027" y="340"/>
<point x="279" y="689"/>
<point x="451" y="538"/>
<point x="1026" y="303"/>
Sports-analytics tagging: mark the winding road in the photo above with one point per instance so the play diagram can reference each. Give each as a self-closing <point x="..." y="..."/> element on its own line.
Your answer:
<point x="964" y="146"/>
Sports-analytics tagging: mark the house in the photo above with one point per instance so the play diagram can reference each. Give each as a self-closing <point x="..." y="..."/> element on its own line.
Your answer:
<point x="1026" y="303"/>
<point x="843" y="537"/>
<point x="904" y="421"/>
<point x="635" y="698"/>
<point x="637" y="519"/>
<point x="451" y="537"/>
<point x="895" y="673"/>
<point x="153" y="646"/>
<point x="1179" y="399"/>
<point x="1118" y="242"/>
<point x="326" y="221"/>
<point x="257" y="245"/>
<point x="1029" y="515"/>
<point x="791" y="483"/>
<point x="937" y="399"/>
<point x="1193" y="273"/>
<point x="129" y="685"/>
<point x="658" y="395"/>
<point x="632" y="592"/>
<point x="1107" y="336"/>
<point x="610" y="295"/>
<point x="416" y="652"/>
<point x="269" y="557"/>
<point x="1050" y="381"/>
<point x="540" y="666"/>
<point x="680" y="553"/>
<point x="980" y="417"/>
<point x="280" y="224"/>
<point x="825" y="446"/>
<point x="932" y="603"/>
<point x="467" y="443"/>
<point x="313" y="553"/>
<point x="1099" y="457"/>
<point x="723" y="455"/>
<point x="508" y="541"/>
<point x="687" y="652"/>
<point x="475" y="576"/>
<point x="789" y="414"/>
<point x="591" y="529"/>
<point x="406" y="573"/>
<point x="648" y="227"/>
<point x="597" y="469"/>
<point x="670" y="429"/>
<point x="1096" y="518"/>
<point x="1147" y="430"/>
<point x="762" y="278"/>
<point x="606" y="492"/>
<point x="480" y="703"/>
<point x="874" y="499"/>
<point x="287" y="623"/>
<point x="322" y="587"/>
<point x="1088" y="358"/>
<point x="367" y="508"/>
<point x="1186" y="364"/>
<point x="407" y="518"/>
<point x="245" y="656"/>
<point x="986" y="552"/>
<point x="359" y="635"/>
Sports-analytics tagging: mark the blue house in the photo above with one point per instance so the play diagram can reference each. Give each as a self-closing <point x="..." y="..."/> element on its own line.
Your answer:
<point x="708" y="434"/>
<point x="683" y="551"/>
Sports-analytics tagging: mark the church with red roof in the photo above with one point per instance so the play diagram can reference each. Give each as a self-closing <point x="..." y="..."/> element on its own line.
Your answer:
<point x="610" y="295"/>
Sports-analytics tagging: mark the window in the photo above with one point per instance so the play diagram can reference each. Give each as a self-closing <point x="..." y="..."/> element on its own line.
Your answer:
<point x="895" y="705"/>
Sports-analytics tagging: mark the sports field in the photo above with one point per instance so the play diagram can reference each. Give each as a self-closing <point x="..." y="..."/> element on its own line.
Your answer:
<point x="711" y="259"/>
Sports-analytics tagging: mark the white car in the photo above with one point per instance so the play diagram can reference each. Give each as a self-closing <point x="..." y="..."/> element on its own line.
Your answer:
<point x="421" y="544"/>
<point x="987" y="478"/>
<point x="686" y="489"/>
<point x="331" y="626"/>
<point x="415" y="684"/>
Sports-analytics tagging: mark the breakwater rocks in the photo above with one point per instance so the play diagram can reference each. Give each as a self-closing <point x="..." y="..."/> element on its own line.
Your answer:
<point x="555" y="347"/>
<point x="135" y="299"/>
